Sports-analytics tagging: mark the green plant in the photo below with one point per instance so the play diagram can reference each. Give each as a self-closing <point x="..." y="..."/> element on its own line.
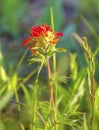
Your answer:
<point x="11" y="13"/>
<point x="92" y="91"/>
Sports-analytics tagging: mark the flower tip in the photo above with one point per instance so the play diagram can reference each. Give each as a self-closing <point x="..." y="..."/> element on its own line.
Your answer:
<point x="26" y="41"/>
<point x="59" y="34"/>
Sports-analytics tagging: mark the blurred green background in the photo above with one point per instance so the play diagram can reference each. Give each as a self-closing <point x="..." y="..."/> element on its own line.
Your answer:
<point x="17" y="17"/>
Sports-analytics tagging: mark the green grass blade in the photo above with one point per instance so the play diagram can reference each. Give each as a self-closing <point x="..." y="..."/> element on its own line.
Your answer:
<point x="5" y="99"/>
<point x="85" y="122"/>
<point x="21" y="60"/>
<point x="27" y="94"/>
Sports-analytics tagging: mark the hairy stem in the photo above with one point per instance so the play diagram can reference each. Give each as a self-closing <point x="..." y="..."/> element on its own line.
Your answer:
<point x="51" y="94"/>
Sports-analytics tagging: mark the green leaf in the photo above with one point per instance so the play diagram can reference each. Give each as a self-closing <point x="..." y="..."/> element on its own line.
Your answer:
<point x="73" y="66"/>
<point x="3" y="75"/>
<point x="2" y="89"/>
<point x="96" y="110"/>
<point x="78" y="83"/>
<point x="29" y="76"/>
<point x="44" y="109"/>
<point x="5" y="99"/>
<point x="12" y="82"/>
<point x="21" y="59"/>
<point x="35" y="60"/>
<point x="61" y="50"/>
<point x="27" y="94"/>
<point x="85" y="122"/>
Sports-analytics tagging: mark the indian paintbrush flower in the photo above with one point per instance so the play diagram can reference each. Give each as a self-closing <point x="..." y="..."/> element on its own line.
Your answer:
<point x="42" y="39"/>
<point x="41" y="42"/>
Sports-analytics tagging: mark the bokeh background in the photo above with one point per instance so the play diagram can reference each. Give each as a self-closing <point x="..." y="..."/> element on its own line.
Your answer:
<point x="18" y="16"/>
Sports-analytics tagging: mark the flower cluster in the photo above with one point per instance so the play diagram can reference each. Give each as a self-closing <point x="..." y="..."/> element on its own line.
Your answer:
<point x="41" y="38"/>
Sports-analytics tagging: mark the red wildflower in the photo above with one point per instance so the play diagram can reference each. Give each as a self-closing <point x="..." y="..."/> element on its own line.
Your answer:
<point x="42" y="36"/>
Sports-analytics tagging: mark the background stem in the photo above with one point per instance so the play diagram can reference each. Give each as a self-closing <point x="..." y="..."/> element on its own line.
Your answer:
<point x="54" y="59"/>
<point x="17" y="99"/>
<point x="34" y="106"/>
<point x="92" y="100"/>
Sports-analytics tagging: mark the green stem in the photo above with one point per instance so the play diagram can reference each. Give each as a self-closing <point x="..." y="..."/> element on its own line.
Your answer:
<point x="34" y="106"/>
<point x="34" y="103"/>
<point x="34" y="98"/>
<point x="52" y="25"/>
<point x="51" y="94"/>
<point x="54" y="61"/>
<point x="92" y="100"/>
<point x="52" y="18"/>
<point x="17" y="99"/>
<point x="92" y="88"/>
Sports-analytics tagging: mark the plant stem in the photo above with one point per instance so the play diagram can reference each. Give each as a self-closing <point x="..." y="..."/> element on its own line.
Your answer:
<point x="54" y="57"/>
<point x="51" y="94"/>
<point x="34" y="105"/>
<point x="34" y="99"/>
<point x="17" y="99"/>
<point x="92" y="99"/>
<point x="92" y="91"/>
<point x="52" y="17"/>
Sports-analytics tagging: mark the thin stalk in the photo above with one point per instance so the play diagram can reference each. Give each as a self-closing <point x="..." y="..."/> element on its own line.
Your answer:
<point x="34" y="98"/>
<point x="34" y="111"/>
<point x="52" y="25"/>
<point x="92" y="99"/>
<point x="34" y="106"/>
<point x="90" y="57"/>
<point x="52" y="18"/>
<point x="92" y="91"/>
<point x="51" y="94"/>
<point x="17" y="99"/>
<point x="54" y="58"/>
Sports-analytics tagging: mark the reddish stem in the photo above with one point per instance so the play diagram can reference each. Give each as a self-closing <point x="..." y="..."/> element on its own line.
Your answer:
<point x="51" y="93"/>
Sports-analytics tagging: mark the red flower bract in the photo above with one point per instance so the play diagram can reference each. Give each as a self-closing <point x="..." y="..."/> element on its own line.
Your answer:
<point x="42" y="36"/>
<point x="26" y="41"/>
